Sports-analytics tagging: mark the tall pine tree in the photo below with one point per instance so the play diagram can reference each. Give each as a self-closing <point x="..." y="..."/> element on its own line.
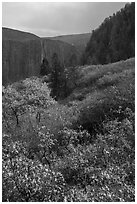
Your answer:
<point x="57" y="76"/>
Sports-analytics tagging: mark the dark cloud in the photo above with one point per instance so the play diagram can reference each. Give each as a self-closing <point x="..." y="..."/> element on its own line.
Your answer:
<point x="50" y="19"/>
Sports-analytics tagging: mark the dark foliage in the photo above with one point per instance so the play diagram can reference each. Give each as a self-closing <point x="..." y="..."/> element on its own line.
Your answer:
<point x="73" y="60"/>
<point x="57" y="77"/>
<point x="62" y="79"/>
<point x="44" y="68"/>
<point x="114" y="40"/>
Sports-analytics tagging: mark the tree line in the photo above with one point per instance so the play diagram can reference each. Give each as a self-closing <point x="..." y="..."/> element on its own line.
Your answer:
<point x="114" y="40"/>
<point x="61" y="79"/>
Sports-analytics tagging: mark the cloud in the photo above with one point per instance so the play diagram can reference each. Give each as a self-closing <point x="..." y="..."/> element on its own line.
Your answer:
<point x="46" y="19"/>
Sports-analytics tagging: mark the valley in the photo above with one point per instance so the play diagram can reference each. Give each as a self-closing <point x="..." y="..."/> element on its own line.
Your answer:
<point x="23" y="53"/>
<point x="68" y="114"/>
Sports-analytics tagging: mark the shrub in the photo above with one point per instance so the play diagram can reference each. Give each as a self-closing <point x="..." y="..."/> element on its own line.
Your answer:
<point x="83" y="151"/>
<point x="105" y="169"/>
<point x="59" y="116"/>
<point x="100" y="104"/>
<point x="28" y="180"/>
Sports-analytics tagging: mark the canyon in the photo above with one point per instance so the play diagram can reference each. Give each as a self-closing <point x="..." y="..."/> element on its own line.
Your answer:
<point x="22" y="52"/>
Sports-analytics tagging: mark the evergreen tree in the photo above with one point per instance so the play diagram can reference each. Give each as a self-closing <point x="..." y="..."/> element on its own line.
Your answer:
<point x="44" y="68"/>
<point x="71" y="75"/>
<point x="57" y="75"/>
<point x="114" y="40"/>
<point x="73" y="60"/>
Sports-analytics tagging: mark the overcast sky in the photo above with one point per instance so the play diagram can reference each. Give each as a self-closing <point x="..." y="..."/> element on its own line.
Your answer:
<point x="51" y="19"/>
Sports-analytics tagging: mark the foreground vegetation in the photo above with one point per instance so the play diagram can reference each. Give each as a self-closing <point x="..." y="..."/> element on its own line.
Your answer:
<point x="81" y="149"/>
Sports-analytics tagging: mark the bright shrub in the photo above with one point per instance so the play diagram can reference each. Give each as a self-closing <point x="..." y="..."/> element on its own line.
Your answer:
<point x="80" y="151"/>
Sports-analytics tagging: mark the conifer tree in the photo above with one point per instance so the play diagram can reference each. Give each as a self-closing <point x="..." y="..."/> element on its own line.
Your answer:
<point x="56" y="77"/>
<point x="44" y="68"/>
<point x="114" y="40"/>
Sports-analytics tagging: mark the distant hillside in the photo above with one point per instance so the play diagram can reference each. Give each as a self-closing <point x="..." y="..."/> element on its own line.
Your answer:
<point x="64" y="50"/>
<point x="114" y="40"/>
<point x="11" y="34"/>
<point x="20" y="59"/>
<point x="77" y="40"/>
<point x="22" y="54"/>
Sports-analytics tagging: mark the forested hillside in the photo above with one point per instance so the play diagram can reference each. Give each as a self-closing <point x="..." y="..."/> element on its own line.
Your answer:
<point x="114" y="40"/>
<point x="78" y="40"/>
<point x="23" y="53"/>
<point x="20" y="59"/>
<point x="65" y="51"/>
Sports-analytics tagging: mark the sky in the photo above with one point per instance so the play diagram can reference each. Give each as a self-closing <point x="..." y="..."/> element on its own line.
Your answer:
<point x="57" y="18"/>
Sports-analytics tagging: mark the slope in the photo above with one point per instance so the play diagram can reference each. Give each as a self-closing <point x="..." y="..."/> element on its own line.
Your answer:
<point x="11" y="34"/>
<point x="101" y="90"/>
<point x="22" y="54"/>
<point x="51" y="150"/>
<point x="64" y="50"/>
<point x="77" y="40"/>
<point x="114" y="39"/>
